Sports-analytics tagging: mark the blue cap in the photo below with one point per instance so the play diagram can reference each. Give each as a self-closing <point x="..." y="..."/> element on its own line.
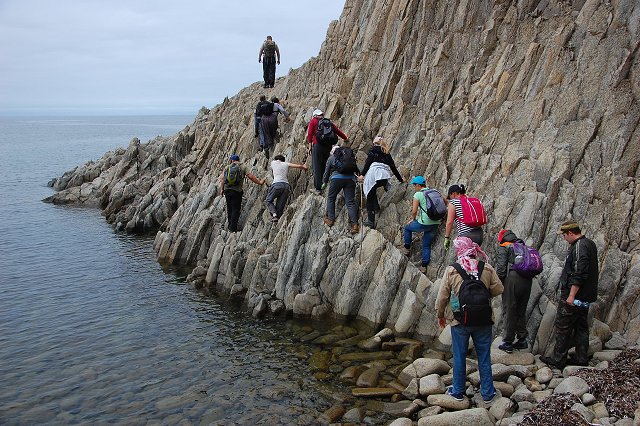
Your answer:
<point x="418" y="180"/>
<point x="235" y="157"/>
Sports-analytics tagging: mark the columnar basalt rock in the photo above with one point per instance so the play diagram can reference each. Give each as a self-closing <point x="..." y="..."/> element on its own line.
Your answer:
<point x="532" y="105"/>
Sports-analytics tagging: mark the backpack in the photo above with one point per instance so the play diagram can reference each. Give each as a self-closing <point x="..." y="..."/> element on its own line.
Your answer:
<point x="264" y="108"/>
<point x="269" y="48"/>
<point x="528" y="262"/>
<point x="345" y="160"/>
<point x="473" y="214"/>
<point x="233" y="174"/>
<point x="475" y="299"/>
<point x="436" y="208"/>
<point x="326" y="134"/>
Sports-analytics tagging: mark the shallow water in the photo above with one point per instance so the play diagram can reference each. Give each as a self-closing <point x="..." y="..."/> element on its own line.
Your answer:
<point x="93" y="330"/>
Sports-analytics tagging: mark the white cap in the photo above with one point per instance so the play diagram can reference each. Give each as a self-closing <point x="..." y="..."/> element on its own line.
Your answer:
<point x="317" y="112"/>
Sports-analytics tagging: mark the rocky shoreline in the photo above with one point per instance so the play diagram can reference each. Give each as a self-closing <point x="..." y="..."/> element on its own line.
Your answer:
<point x="399" y="378"/>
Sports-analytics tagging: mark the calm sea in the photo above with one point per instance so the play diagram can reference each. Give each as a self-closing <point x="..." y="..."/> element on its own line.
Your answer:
<point x="93" y="331"/>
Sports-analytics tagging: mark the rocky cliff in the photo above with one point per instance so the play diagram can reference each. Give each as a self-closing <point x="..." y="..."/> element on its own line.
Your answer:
<point x="533" y="105"/>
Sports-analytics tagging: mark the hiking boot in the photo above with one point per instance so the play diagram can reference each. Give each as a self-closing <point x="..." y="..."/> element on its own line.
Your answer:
<point x="405" y="250"/>
<point x="553" y="362"/>
<point x="355" y="228"/>
<point x="328" y="222"/>
<point x="573" y="361"/>
<point x="507" y="347"/>
<point x="456" y="396"/>
<point x="369" y="224"/>
<point x="521" y="344"/>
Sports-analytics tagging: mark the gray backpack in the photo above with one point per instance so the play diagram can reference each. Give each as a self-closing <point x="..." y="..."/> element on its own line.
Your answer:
<point x="436" y="208"/>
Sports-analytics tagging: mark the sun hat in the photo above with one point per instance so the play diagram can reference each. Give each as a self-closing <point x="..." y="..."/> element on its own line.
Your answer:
<point x="418" y="180"/>
<point x="568" y="226"/>
<point x="317" y="112"/>
<point x="235" y="157"/>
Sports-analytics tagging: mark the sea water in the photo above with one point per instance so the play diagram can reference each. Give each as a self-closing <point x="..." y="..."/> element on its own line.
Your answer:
<point x="94" y="331"/>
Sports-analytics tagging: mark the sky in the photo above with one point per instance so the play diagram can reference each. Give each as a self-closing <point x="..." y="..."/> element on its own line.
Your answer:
<point x="113" y="57"/>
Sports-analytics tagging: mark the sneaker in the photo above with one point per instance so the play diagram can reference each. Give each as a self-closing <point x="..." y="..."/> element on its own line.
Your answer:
<point x="328" y="222"/>
<point x="456" y="396"/>
<point x="521" y="344"/>
<point x="355" y="228"/>
<point x="553" y="362"/>
<point x="405" y="250"/>
<point x="489" y="400"/>
<point x="274" y="218"/>
<point x="507" y="347"/>
<point x="369" y="224"/>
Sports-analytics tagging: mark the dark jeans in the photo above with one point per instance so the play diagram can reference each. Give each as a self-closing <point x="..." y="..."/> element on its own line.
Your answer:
<point x="319" y="156"/>
<point x="256" y="126"/>
<point x="278" y="191"/>
<point x="571" y="321"/>
<point x="269" y="70"/>
<point x="476" y="235"/>
<point x="372" y="199"/>
<point x="234" y="207"/>
<point x="514" y="305"/>
<point x="349" y="188"/>
<point x="427" y="237"/>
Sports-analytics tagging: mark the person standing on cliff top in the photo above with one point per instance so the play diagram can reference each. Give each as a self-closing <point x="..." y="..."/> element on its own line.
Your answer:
<point x="280" y="189"/>
<point x="268" y="52"/>
<point x="578" y="282"/>
<point x="320" y="150"/>
<point x="231" y="180"/>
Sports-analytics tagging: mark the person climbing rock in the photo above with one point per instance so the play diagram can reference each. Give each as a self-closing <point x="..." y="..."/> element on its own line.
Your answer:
<point x="262" y="107"/>
<point x="279" y="189"/>
<point x="322" y="134"/>
<point x="341" y="170"/>
<point x="231" y="180"/>
<point x="269" y="125"/>
<point x="515" y="298"/>
<point x="467" y="213"/>
<point x="420" y="219"/>
<point x="377" y="171"/>
<point x="269" y="55"/>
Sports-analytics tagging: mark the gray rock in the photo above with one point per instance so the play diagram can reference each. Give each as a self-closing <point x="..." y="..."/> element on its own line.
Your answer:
<point x="600" y="410"/>
<point x="355" y="415"/>
<point x="430" y="411"/>
<point x="513" y="420"/>
<point x="422" y="367"/>
<point x="544" y="375"/>
<point x="431" y="385"/>
<point x="607" y="355"/>
<point x="402" y="421"/>
<point x="522" y="394"/>
<point x="471" y="417"/>
<point x="588" y="399"/>
<point x="573" y="385"/>
<point x="583" y="411"/>
<point x="448" y="403"/>
<point x="503" y="407"/>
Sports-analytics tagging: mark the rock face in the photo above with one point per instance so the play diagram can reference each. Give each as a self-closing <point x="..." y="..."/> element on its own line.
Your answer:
<point x="532" y="105"/>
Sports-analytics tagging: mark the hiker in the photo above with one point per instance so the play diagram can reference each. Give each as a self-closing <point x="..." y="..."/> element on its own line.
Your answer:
<point x="467" y="226"/>
<point x="231" y="188"/>
<point x="515" y="298"/>
<point x="320" y="149"/>
<point x="578" y="285"/>
<point x="269" y="125"/>
<point x="377" y="172"/>
<point x="267" y="56"/>
<point x="455" y="295"/>
<point x="342" y="169"/>
<point x="279" y="189"/>
<point x="420" y="219"/>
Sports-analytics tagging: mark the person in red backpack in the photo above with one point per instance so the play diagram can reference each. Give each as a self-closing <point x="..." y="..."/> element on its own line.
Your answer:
<point x="456" y="197"/>
<point x="515" y="297"/>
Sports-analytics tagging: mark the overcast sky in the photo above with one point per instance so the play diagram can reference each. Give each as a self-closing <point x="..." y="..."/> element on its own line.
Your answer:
<point x="146" y="57"/>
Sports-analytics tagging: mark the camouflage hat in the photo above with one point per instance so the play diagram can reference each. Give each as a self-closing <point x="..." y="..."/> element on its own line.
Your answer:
<point x="568" y="226"/>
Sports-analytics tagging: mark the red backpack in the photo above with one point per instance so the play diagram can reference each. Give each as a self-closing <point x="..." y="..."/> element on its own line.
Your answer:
<point x="473" y="214"/>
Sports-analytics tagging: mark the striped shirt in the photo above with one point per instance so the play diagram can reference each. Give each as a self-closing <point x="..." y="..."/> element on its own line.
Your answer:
<point x="460" y="226"/>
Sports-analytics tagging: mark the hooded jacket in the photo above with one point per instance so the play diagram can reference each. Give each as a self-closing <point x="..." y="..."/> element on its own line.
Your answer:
<point x="505" y="256"/>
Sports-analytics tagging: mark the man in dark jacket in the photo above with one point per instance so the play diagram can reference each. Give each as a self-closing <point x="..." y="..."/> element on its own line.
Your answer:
<point x="515" y="298"/>
<point x="579" y="281"/>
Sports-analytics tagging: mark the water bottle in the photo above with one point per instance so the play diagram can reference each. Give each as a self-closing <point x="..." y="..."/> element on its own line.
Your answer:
<point x="581" y="304"/>
<point x="455" y="303"/>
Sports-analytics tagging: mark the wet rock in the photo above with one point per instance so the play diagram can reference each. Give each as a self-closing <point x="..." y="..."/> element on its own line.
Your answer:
<point x="365" y="356"/>
<point x="369" y="378"/>
<point x="319" y="361"/>
<point x="410" y="352"/>
<point x="471" y="417"/>
<point x="332" y="414"/>
<point x="354" y="415"/>
<point x="373" y="392"/>
<point x="350" y="374"/>
<point x="371" y="344"/>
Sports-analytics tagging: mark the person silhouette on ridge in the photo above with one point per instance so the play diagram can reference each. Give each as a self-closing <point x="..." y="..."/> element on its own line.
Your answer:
<point x="268" y="52"/>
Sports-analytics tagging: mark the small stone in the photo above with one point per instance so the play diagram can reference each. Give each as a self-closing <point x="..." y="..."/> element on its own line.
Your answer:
<point x="431" y="385"/>
<point x="402" y="421"/>
<point x="588" y="399"/>
<point x="505" y="388"/>
<point x="600" y="410"/>
<point x="532" y="384"/>
<point x="522" y="394"/>
<point x="430" y="411"/>
<point x="544" y="375"/>
<point x="355" y="415"/>
<point x="514" y="381"/>
<point x="525" y="406"/>
<point x="369" y="378"/>
<point x="503" y="407"/>
<point x="539" y="396"/>
<point x="583" y="411"/>
<point x="412" y="390"/>
<point x="333" y="414"/>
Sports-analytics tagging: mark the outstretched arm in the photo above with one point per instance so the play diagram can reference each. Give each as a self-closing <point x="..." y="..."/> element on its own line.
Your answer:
<point x="260" y="53"/>
<point x="255" y="180"/>
<point x="278" y="54"/>
<point x="298" y="166"/>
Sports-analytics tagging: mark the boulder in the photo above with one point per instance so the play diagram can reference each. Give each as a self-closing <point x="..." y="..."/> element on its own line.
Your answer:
<point x="573" y="385"/>
<point x="471" y="417"/>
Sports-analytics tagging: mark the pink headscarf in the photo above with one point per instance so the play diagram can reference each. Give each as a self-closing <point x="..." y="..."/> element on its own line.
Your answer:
<point x="468" y="252"/>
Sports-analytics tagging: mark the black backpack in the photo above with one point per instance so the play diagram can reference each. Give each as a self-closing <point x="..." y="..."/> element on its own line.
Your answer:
<point x="264" y="108"/>
<point x="345" y="160"/>
<point x="326" y="134"/>
<point x="475" y="299"/>
<point x="436" y="208"/>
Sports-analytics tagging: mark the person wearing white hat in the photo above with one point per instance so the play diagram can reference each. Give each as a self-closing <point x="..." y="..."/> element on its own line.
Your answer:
<point x="320" y="149"/>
